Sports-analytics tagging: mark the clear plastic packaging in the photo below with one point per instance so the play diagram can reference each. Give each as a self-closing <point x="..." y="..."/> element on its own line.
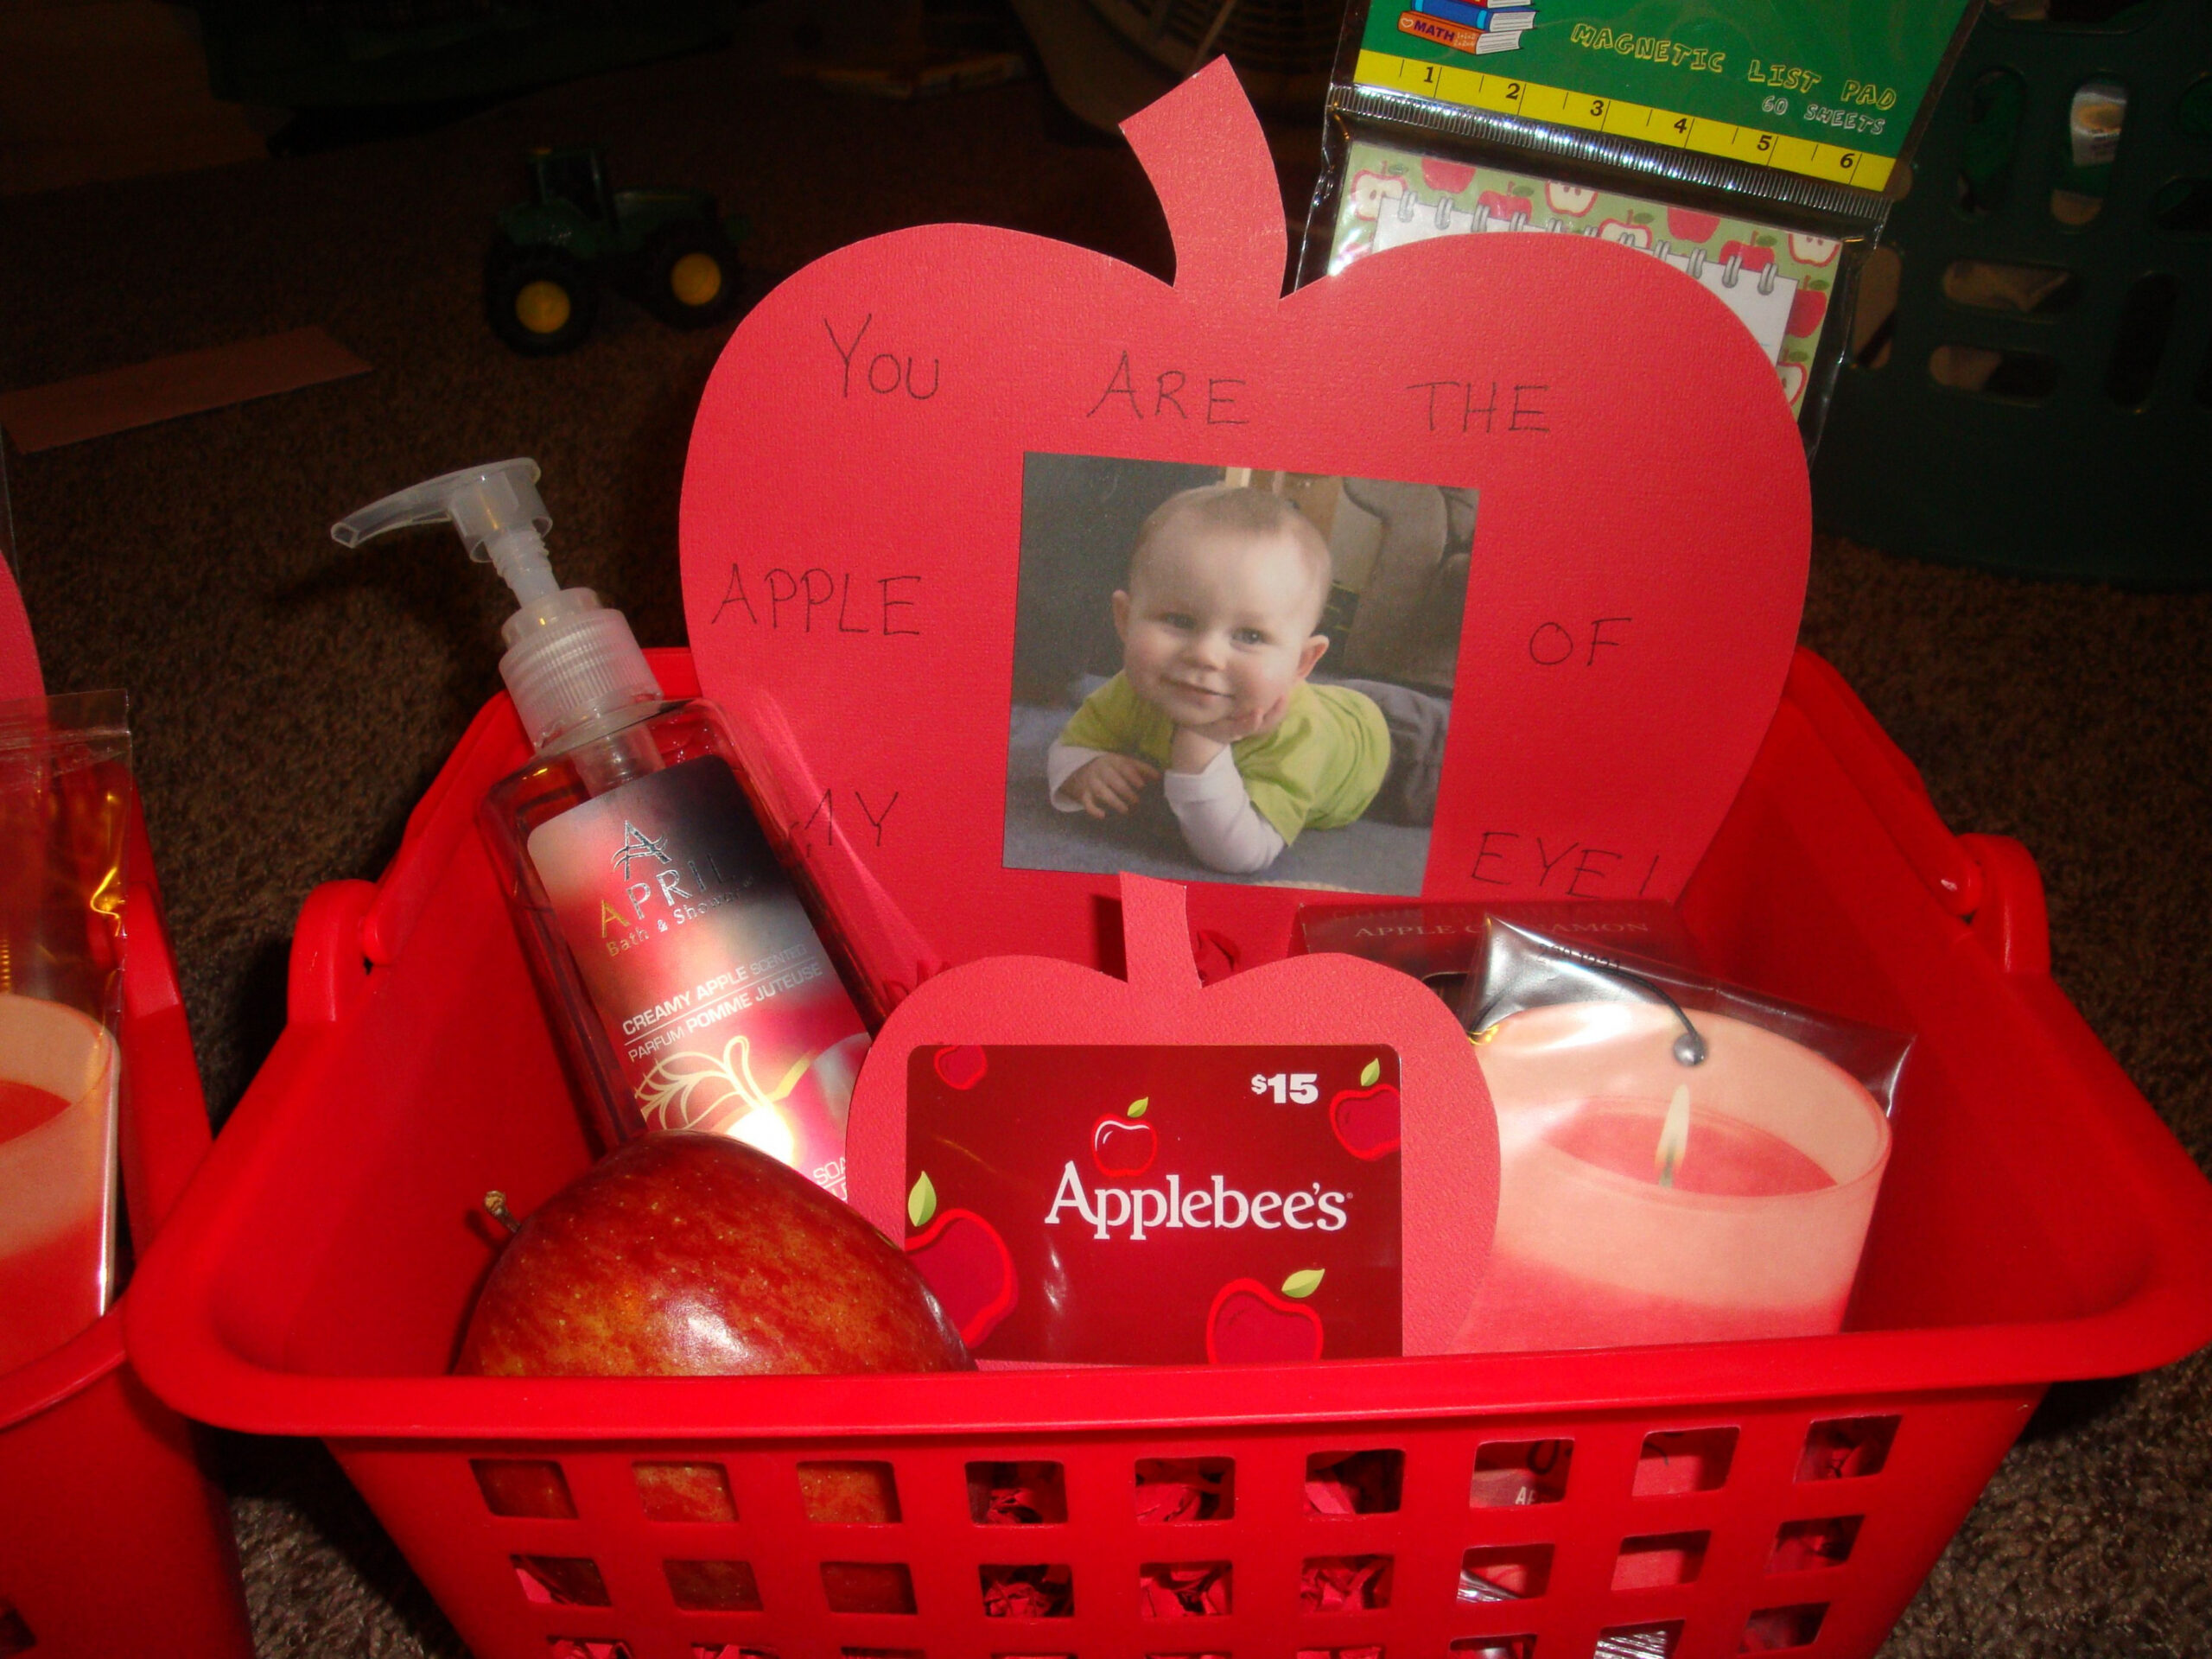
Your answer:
<point x="1702" y="133"/>
<point x="1681" y="1161"/>
<point x="65" y="805"/>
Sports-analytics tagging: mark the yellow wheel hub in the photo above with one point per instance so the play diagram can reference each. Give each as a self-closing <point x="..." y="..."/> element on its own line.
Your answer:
<point x="695" y="278"/>
<point x="542" y="307"/>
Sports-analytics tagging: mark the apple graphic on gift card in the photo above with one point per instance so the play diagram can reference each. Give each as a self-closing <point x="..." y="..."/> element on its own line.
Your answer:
<point x="961" y="1064"/>
<point x="1250" y="1324"/>
<point x="1122" y="1144"/>
<point x="962" y="1258"/>
<point x="1752" y="256"/>
<point x="1508" y="205"/>
<point x="1625" y="233"/>
<point x="1450" y="177"/>
<point x="1365" y="1120"/>
<point x="1371" y="190"/>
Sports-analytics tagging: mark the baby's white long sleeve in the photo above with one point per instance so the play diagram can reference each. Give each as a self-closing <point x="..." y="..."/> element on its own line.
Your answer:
<point x="1062" y="762"/>
<point x="1220" y="824"/>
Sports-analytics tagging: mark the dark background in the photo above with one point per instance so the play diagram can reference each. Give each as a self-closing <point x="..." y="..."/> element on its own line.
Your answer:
<point x="292" y="700"/>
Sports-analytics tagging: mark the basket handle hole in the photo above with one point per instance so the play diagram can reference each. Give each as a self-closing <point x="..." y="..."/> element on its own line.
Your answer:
<point x="848" y="1494"/>
<point x="1811" y="1546"/>
<point x="1186" y="1489"/>
<point x="1773" y="1629"/>
<point x="1344" y="1584"/>
<point x="1846" y="1448"/>
<point x="1664" y="1558"/>
<point x="1656" y="1641"/>
<point x="1494" y="1646"/>
<point x="530" y="1488"/>
<point x="1182" y="1589"/>
<point x="570" y="1580"/>
<point x="1505" y="1573"/>
<point x="684" y="1491"/>
<point x="1684" y="1460"/>
<point x="867" y="1587"/>
<point x="1045" y="1590"/>
<point x="1017" y="1494"/>
<point x="713" y="1586"/>
<point x="1511" y="1473"/>
<point x="1354" y="1483"/>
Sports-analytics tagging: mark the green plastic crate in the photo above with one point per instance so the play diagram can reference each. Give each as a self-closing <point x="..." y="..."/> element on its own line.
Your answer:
<point x="2085" y="450"/>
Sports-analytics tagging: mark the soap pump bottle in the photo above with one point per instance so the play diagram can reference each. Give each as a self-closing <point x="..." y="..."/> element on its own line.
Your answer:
<point x="688" y="982"/>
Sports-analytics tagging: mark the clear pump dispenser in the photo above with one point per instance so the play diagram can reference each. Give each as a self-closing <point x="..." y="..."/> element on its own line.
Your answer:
<point x="685" y="978"/>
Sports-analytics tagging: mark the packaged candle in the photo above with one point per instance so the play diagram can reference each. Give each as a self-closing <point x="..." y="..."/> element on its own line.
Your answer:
<point x="1680" y="1160"/>
<point x="65" y="801"/>
<point x="687" y="980"/>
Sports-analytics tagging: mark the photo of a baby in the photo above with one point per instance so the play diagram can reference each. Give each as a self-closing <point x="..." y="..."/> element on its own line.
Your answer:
<point x="1262" y="673"/>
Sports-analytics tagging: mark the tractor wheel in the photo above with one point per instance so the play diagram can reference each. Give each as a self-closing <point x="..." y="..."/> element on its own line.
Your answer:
<point x="540" y="301"/>
<point x="688" y="277"/>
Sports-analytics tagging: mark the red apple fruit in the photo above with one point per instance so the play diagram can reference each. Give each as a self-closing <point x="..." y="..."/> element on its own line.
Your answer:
<point x="964" y="1261"/>
<point x="684" y="1255"/>
<point x="1249" y="1324"/>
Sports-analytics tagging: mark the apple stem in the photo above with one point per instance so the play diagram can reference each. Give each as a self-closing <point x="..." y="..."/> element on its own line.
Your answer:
<point x="496" y="1202"/>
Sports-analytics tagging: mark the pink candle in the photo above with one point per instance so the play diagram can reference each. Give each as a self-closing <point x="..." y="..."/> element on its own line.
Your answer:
<point x="1743" y="1217"/>
<point x="57" y="1163"/>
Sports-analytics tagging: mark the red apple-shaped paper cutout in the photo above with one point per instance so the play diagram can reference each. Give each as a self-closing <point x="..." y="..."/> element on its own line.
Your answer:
<point x="1448" y="1181"/>
<point x="1122" y="1144"/>
<point x="1250" y="1325"/>
<point x="961" y="1066"/>
<point x="1365" y="1120"/>
<point x="852" y="519"/>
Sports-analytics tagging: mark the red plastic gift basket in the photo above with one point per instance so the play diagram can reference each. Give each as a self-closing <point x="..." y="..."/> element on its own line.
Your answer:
<point x="112" y="1540"/>
<point x="2038" y="1223"/>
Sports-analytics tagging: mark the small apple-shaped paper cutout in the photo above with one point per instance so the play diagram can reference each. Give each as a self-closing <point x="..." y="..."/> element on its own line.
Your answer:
<point x="1123" y="1145"/>
<point x="1447" y="1184"/>
<point x="1248" y="1324"/>
<point x="961" y="1066"/>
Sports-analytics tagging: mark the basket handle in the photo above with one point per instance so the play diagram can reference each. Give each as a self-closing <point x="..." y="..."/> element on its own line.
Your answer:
<point x="329" y="969"/>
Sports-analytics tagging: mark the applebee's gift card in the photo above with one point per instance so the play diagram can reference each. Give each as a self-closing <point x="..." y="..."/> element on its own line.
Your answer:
<point x="1168" y="1205"/>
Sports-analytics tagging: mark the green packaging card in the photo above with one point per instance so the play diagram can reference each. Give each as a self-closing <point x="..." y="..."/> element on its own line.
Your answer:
<point x="1828" y="91"/>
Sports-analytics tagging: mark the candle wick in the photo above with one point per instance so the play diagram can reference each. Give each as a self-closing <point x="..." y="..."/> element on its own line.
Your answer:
<point x="1674" y="1134"/>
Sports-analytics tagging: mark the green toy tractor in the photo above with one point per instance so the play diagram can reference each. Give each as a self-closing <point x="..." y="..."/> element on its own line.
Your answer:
<point x="667" y="249"/>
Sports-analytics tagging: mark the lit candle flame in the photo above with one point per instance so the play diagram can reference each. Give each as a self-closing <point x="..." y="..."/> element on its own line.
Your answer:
<point x="1674" y="1135"/>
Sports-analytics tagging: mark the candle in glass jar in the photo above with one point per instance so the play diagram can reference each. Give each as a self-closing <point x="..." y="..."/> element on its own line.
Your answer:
<point x="57" y="1174"/>
<point x="1641" y="1200"/>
